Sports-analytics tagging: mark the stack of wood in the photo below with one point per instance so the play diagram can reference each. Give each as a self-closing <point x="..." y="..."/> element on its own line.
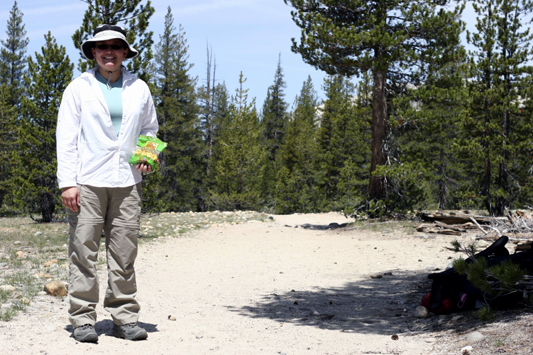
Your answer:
<point x="517" y="225"/>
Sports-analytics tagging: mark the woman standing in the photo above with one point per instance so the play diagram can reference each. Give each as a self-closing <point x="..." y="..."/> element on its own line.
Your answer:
<point x="102" y="114"/>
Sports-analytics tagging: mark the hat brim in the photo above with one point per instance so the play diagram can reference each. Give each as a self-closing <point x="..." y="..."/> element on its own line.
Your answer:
<point x="88" y="44"/>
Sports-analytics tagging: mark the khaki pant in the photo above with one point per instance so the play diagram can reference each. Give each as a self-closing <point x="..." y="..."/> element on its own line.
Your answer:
<point x="116" y="211"/>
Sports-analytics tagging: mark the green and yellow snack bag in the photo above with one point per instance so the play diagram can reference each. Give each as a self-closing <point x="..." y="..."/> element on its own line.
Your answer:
<point x="148" y="149"/>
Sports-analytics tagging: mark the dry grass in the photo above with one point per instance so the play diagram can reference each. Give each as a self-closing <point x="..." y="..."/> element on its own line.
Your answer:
<point x="25" y="247"/>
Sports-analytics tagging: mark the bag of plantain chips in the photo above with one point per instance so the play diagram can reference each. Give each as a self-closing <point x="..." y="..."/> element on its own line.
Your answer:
<point x="148" y="149"/>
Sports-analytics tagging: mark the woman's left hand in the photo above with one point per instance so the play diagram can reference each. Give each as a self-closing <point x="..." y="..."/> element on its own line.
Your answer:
<point x="144" y="168"/>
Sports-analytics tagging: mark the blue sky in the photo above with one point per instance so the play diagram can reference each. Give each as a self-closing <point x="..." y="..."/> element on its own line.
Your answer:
<point x="244" y="35"/>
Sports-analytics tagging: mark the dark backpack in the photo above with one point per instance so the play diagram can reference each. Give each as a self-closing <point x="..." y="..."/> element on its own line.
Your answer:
<point x="452" y="292"/>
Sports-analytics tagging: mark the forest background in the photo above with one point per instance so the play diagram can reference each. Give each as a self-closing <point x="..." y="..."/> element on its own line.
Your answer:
<point x="410" y="118"/>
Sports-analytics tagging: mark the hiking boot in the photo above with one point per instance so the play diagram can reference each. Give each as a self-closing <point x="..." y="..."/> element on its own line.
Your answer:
<point x="130" y="331"/>
<point x="85" y="334"/>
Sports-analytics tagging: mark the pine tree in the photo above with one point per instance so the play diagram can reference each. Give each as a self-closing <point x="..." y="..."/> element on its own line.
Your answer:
<point x="500" y="81"/>
<point x="274" y="115"/>
<point x="8" y="136"/>
<point x="389" y="38"/>
<point x="214" y="112"/>
<point x="35" y="175"/>
<point x="301" y="128"/>
<point x="425" y="126"/>
<point x="130" y="14"/>
<point x="295" y="187"/>
<point x="499" y="127"/>
<point x="221" y="107"/>
<point x="219" y="120"/>
<point x="206" y="94"/>
<point x="273" y="125"/>
<point x="13" y="56"/>
<point x="240" y="158"/>
<point x="181" y="167"/>
<point x="340" y="138"/>
<point x="352" y="185"/>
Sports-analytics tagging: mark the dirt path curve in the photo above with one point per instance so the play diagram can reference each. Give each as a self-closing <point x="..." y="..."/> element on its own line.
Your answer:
<point x="260" y="288"/>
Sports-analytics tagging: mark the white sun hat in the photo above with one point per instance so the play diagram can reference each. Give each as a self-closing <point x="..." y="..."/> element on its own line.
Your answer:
<point x="106" y="32"/>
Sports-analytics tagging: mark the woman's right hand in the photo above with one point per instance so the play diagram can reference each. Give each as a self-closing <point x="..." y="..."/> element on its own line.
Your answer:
<point x="70" y="197"/>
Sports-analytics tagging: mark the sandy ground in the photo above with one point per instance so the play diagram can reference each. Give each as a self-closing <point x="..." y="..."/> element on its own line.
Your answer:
<point x="263" y="288"/>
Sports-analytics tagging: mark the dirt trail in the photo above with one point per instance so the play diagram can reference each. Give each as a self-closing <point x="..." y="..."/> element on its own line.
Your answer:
<point x="261" y="288"/>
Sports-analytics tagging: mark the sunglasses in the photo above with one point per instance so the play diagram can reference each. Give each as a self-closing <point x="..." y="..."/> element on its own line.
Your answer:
<point x="114" y="47"/>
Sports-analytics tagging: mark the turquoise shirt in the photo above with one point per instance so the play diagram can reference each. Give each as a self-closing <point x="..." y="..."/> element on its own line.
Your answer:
<point x="113" y="98"/>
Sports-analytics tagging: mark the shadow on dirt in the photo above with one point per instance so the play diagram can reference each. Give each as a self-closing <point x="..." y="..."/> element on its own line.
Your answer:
<point x="381" y="305"/>
<point x="323" y="227"/>
<point x="384" y="306"/>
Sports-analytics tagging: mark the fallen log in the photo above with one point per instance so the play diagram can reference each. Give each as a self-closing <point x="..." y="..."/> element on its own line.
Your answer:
<point x="460" y="218"/>
<point x="446" y="226"/>
<point x="428" y="228"/>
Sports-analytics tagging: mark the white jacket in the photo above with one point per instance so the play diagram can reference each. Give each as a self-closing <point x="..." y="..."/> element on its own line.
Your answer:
<point x="88" y="149"/>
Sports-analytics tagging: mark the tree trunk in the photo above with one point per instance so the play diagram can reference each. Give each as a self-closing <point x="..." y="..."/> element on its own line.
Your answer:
<point x="442" y="182"/>
<point x="502" y="202"/>
<point x="378" y="187"/>
<point x="47" y="207"/>
<point x="486" y="186"/>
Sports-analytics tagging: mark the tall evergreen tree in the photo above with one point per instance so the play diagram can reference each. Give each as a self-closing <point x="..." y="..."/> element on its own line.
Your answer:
<point x="301" y="128"/>
<point x="339" y="138"/>
<point x="134" y="17"/>
<point x="274" y="115"/>
<point x="240" y="158"/>
<point x="499" y="122"/>
<point x="181" y="168"/>
<point x="13" y="56"/>
<point x="219" y="119"/>
<point x="221" y="107"/>
<point x="8" y="136"/>
<point x="12" y="67"/>
<point x="497" y="119"/>
<point x="273" y="125"/>
<point x="425" y="126"/>
<point x="352" y="185"/>
<point x="296" y="185"/>
<point x="389" y="38"/>
<point x="35" y="175"/>
<point x="206" y="94"/>
<point x="214" y="102"/>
